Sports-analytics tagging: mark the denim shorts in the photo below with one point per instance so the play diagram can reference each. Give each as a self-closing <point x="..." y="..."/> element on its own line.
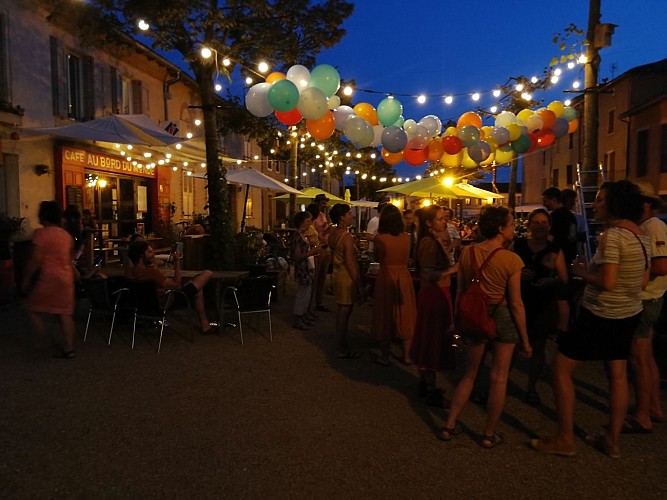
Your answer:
<point x="650" y="316"/>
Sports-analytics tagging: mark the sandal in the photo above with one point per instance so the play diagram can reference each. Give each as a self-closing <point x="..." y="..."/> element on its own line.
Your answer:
<point x="322" y="308"/>
<point x="600" y="443"/>
<point x="383" y="360"/>
<point x="447" y="433"/>
<point x="349" y="354"/>
<point x="632" y="426"/>
<point x="492" y="441"/>
<point x="65" y="355"/>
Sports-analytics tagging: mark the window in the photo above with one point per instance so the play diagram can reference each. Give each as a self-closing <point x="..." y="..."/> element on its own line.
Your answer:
<point x="570" y="144"/>
<point x="4" y="67"/>
<point x="544" y="157"/>
<point x="127" y="96"/>
<point x="248" y="209"/>
<point x="663" y="148"/>
<point x="642" y="153"/>
<point x="569" y="173"/>
<point x="611" y="165"/>
<point x="72" y="83"/>
<point x="611" y="116"/>
<point x="554" y="177"/>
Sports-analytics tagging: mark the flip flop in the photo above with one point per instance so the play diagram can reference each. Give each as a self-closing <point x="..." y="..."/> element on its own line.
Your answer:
<point x="533" y="398"/>
<point x="383" y="361"/>
<point x="492" y="441"/>
<point x="632" y="426"/>
<point x="322" y="308"/>
<point x="65" y="355"/>
<point x="349" y="354"/>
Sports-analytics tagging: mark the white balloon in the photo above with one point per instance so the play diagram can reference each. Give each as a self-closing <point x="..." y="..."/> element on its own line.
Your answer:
<point x="299" y="76"/>
<point x="377" y="135"/>
<point x="312" y="103"/>
<point x="358" y="131"/>
<point x="505" y="118"/>
<point x="333" y="102"/>
<point x="432" y="124"/>
<point x="341" y="114"/>
<point x="257" y="100"/>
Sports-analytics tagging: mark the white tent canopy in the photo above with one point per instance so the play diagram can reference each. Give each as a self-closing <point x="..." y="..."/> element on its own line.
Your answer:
<point x="121" y="129"/>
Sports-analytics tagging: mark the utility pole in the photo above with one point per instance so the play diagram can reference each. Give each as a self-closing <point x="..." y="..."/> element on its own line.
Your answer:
<point x="591" y="121"/>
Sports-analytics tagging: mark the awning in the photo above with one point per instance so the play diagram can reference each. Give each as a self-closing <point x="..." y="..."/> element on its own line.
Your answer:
<point x="119" y="129"/>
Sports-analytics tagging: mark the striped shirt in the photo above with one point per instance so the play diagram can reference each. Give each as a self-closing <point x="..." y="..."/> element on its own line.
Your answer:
<point x="657" y="231"/>
<point x="619" y="246"/>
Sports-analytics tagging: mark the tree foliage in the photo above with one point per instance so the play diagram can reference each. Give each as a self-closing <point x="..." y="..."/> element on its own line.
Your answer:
<point x="282" y="32"/>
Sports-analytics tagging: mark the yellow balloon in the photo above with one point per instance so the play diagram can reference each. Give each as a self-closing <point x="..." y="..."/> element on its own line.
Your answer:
<point x="484" y="132"/>
<point x="524" y="114"/>
<point x="504" y="156"/>
<point x="557" y="108"/>
<point x="490" y="159"/>
<point x="451" y="161"/>
<point x="275" y="76"/>
<point x="466" y="161"/>
<point x="514" y="130"/>
<point x="451" y="131"/>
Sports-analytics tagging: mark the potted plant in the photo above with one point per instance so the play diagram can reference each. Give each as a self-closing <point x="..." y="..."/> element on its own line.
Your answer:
<point x="9" y="227"/>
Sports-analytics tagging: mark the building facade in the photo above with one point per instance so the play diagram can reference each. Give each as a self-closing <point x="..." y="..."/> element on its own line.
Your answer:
<point x="632" y="136"/>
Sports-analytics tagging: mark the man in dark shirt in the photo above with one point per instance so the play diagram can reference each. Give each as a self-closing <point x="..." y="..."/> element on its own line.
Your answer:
<point x="563" y="224"/>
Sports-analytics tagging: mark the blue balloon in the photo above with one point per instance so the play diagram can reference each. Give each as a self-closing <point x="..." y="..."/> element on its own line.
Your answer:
<point x="561" y="127"/>
<point x="394" y="139"/>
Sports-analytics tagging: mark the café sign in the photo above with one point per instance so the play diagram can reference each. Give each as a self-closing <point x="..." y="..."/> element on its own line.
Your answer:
<point x="107" y="163"/>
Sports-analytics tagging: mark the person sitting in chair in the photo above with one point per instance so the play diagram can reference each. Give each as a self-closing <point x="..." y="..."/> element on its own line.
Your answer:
<point x="142" y="256"/>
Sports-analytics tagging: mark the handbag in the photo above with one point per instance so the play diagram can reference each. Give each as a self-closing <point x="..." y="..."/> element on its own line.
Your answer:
<point x="473" y="319"/>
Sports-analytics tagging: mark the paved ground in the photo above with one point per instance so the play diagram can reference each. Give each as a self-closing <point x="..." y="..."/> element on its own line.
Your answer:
<point x="277" y="420"/>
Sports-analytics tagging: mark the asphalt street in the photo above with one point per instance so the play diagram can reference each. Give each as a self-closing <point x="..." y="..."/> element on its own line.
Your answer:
<point x="284" y="419"/>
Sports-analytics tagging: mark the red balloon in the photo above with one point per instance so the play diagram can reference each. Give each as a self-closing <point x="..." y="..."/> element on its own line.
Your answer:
<point x="546" y="137"/>
<point x="452" y="144"/>
<point x="289" y="118"/>
<point x="416" y="157"/>
<point x="533" y="141"/>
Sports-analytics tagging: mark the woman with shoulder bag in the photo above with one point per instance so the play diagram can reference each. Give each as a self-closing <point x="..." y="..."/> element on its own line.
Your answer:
<point x="501" y="277"/>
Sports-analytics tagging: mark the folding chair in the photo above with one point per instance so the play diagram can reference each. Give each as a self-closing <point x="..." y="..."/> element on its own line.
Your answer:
<point x="252" y="296"/>
<point x="145" y="304"/>
<point x="103" y="298"/>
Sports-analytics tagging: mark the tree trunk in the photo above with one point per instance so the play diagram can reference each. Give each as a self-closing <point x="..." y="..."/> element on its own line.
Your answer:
<point x="221" y="248"/>
<point x="511" y="194"/>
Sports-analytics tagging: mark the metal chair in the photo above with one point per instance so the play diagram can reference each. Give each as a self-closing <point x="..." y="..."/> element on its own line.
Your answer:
<point x="252" y="296"/>
<point x="103" y="298"/>
<point x="145" y="304"/>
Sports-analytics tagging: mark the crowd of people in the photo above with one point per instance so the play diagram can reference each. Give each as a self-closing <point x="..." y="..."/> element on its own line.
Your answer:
<point x="539" y="288"/>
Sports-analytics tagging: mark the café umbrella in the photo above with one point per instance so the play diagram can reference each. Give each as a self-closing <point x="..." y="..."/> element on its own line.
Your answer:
<point x="255" y="178"/>
<point x="308" y="194"/>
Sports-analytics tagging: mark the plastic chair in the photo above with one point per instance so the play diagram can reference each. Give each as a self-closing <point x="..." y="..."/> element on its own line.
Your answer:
<point x="252" y="296"/>
<point x="103" y="299"/>
<point x="145" y="304"/>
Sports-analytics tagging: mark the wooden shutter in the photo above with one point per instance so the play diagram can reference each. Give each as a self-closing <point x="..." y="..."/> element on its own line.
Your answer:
<point x="59" y="93"/>
<point x="4" y="74"/>
<point x="115" y="108"/>
<point x="88" y="88"/>
<point x="137" y="108"/>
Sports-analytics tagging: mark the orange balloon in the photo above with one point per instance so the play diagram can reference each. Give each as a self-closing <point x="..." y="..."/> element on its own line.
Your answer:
<point x="367" y="112"/>
<point x="275" y="76"/>
<point x="469" y="118"/>
<point x="323" y="128"/>
<point x="574" y="125"/>
<point x="435" y="149"/>
<point x="548" y="118"/>
<point x="392" y="158"/>
<point x="416" y="157"/>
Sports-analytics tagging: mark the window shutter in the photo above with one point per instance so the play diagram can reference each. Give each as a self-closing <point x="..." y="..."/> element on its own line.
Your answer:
<point x="136" y="97"/>
<point x="88" y="70"/>
<point x="4" y="74"/>
<point x="59" y="93"/>
<point x="115" y="108"/>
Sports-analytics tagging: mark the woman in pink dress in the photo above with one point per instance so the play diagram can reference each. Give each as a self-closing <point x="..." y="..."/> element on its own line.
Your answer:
<point x="51" y="271"/>
<point x="394" y="306"/>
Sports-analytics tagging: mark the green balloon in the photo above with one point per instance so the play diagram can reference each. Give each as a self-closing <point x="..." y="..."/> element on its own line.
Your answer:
<point x="522" y="144"/>
<point x="389" y="110"/>
<point x="283" y="96"/>
<point x="325" y="78"/>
